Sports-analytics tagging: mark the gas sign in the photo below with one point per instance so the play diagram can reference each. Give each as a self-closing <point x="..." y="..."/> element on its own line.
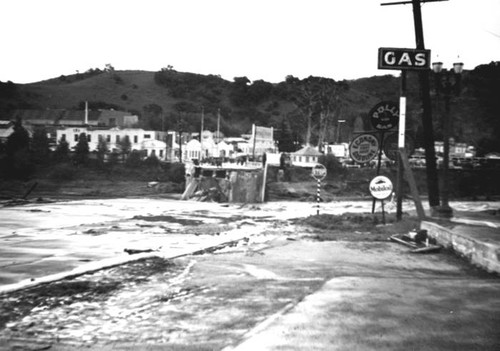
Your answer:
<point x="364" y="148"/>
<point x="381" y="187"/>
<point x="384" y="115"/>
<point x="403" y="59"/>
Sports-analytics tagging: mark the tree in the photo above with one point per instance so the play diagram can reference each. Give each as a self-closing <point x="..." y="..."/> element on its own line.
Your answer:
<point x="239" y="91"/>
<point x="135" y="159"/>
<point x="285" y="138"/>
<point x="18" y="161"/>
<point x="259" y="91"/>
<point x="317" y="99"/>
<point x="62" y="151"/>
<point x="102" y="149"/>
<point x="81" y="150"/>
<point x="125" y="146"/>
<point x="153" y="117"/>
<point x="18" y="140"/>
<point x="40" y="146"/>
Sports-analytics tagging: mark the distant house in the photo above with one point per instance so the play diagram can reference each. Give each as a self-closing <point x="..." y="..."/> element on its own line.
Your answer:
<point x="44" y="118"/>
<point x="77" y="118"/>
<point x="493" y="155"/>
<point x="112" y="118"/>
<point x="224" y="149"/>
<point x="153" y="142"/>
<point x="192" y="150"/>
<point x="308" y="156"/>
<point x="456" y="149"/>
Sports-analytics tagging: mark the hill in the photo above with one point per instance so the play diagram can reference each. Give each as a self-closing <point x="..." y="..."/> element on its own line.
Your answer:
<point x="169" y="99"/>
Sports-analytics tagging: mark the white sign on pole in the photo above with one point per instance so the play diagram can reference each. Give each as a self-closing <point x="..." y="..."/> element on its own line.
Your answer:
<point x="364" y="148"/>
<point x="381" y="187"/>
<point x="319" y="172"/>
<point x="402" y="122"/>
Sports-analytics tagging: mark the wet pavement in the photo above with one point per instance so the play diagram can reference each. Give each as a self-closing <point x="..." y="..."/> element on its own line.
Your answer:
<point x="277" y="290"/>
<point x="43" y="239"/>
<point x="276" y="295"/>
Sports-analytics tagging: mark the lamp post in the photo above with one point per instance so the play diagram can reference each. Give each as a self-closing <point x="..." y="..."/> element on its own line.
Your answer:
<point x="447" y="83"/>
<point x="338" y="129"/>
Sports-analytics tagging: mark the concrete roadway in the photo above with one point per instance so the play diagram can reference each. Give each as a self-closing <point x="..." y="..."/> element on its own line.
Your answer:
<point x="279" y="291"/>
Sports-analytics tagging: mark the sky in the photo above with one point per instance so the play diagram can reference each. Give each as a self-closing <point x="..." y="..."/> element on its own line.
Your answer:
<point x="259" y="39"/>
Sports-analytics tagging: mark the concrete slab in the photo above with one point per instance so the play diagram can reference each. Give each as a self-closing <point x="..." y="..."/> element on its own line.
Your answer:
<point x="480" y="244"/>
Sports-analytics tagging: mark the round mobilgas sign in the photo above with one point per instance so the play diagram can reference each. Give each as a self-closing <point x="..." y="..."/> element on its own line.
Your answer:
<point x="381" y="187"/>
<point x="364" y="148"/>
<point x="384" y="115"/>
<point x="319" y="172"/>
<point x="391" y="145"/>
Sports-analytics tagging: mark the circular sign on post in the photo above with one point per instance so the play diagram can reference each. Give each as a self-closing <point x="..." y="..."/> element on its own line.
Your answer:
<point x="319" y="172"/>
<point x="381" y="187"/>
<point x="391" y="146"/>
<point x="364" y="148"/>
<point x="384" y="115"/>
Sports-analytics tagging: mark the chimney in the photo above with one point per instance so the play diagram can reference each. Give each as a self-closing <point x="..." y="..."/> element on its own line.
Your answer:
<point x="86" y="113"/>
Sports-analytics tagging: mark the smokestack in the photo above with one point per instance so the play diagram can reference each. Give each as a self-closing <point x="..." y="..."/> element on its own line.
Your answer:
<point x="86" y="113"/>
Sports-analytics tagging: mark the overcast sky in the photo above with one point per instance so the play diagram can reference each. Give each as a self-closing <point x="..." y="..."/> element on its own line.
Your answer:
<point x="260" y="39"/>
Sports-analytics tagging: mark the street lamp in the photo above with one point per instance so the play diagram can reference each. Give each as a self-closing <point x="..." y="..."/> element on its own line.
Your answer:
<point x="447" y="83"/>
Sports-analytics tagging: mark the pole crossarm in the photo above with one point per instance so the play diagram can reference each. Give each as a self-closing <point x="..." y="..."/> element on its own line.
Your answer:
<point x="408" y="2"/>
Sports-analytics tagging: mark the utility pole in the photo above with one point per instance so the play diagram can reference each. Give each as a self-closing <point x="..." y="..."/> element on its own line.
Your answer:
<point x="430" y="153"/>
<point x="201" y="131"/>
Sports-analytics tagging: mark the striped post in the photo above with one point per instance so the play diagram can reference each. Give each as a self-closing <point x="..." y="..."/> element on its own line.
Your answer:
<point x="318" y="196"/>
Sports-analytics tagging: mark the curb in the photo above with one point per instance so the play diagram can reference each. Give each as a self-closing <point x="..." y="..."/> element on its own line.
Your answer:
<point x="482" y="254"/>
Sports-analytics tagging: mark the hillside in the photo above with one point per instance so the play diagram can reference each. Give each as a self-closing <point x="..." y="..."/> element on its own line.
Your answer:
<point x="173" y="100"/>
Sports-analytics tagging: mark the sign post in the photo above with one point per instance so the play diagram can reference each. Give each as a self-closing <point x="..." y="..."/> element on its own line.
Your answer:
<point x="381" y="189"/>
<point x="384" y="116"/>
<point x="319" y="173"/>
<point x="404" y="60"/>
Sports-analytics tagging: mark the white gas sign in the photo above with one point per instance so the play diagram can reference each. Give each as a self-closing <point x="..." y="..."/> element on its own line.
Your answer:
<point x="381" y="187"/>
<point x="403" y="59"/>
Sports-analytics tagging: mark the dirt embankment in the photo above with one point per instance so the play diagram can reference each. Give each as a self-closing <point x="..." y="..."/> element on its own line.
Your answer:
<point x="87" y="189"/>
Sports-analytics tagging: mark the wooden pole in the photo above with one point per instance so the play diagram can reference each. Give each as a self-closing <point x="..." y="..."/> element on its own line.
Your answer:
<point x="401" y="144"/>
<point x="430" y="153"/>
<point x="379" y="161"/>
<point x="413" y="184"/>
<point x="201" y="131"/>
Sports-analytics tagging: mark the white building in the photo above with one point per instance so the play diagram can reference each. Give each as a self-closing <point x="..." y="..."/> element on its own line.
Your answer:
<point x="192" y="150"/>
<point x="261" y="141"/>
<point x="306" y="157"/>
<point x="208" y="148"/>
<point x="338" y="150"/>
<point x="153" y="142"/>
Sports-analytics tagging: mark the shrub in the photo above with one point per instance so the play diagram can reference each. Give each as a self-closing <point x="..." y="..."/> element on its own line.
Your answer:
<point x="20" y="165"/>
<point x="176" y="172"/>
<point x="63" y="171"/>
<point x="152" y="162"/>
<point x="134" y="159"/>
<point x="332" y="164"/>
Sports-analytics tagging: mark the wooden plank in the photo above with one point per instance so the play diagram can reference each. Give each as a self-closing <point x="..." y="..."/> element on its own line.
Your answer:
<point x="427" y="249"/>
<point x="401" y="241"/>
<point x="413" y="184"/>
